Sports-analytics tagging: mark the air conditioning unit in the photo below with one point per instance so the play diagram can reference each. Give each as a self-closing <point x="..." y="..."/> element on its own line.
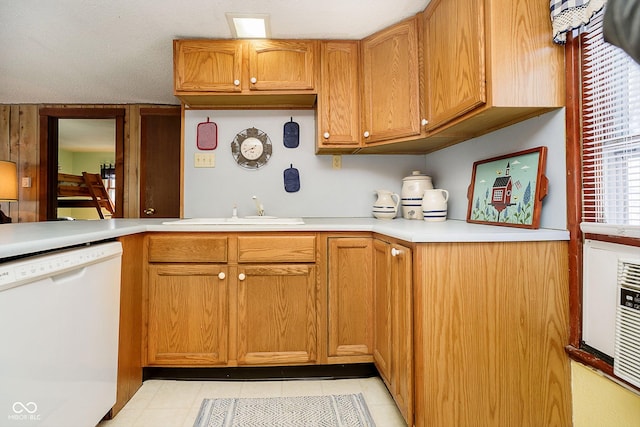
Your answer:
<point x="627" y="341"/>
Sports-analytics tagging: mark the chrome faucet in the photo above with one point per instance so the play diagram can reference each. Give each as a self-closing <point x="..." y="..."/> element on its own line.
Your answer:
<point x="259" y="206"/>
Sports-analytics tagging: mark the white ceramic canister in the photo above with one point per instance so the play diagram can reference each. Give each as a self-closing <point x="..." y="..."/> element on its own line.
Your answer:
<point x="434" y="205"/>
<point x="413" y="187"/>
<point x="385" y="207"/>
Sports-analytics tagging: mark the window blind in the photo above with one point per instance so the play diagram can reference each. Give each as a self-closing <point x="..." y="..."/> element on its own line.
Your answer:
<point x="610" y="131"/>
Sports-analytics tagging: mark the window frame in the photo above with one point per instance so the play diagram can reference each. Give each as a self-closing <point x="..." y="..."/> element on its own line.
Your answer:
<point x="573" y="73"/>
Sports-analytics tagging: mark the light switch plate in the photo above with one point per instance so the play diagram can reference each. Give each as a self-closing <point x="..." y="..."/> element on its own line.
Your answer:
<point x="205" y="160"/>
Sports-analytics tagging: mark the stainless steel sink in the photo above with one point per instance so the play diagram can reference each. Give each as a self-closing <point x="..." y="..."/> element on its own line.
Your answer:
<point x="247" y="220"/>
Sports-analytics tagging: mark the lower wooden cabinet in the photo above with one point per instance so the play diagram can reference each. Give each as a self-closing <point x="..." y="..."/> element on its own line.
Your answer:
<point x="350" y="298"/>
<point x="130" y="337"/>
<point x="491" y="324"/>
<point x="187" y="314"/>
<point x="277" y="314"/>
<point x="393" y="325"/>
<point x="461" y="333"/>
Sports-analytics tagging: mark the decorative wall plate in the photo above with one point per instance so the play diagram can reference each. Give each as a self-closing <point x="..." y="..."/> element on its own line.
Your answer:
<point x="251" y="148"/>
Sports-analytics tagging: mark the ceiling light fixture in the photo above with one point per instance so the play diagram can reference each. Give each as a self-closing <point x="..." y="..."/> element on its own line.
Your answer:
<point x="249" y="25"/>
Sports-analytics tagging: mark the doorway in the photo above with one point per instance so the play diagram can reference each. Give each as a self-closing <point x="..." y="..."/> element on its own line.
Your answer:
<point x="86" y="145"/>
<point x="49" y="154"/>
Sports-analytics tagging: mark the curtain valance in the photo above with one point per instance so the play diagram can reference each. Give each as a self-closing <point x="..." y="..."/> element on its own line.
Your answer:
<point x="567" y="15"/>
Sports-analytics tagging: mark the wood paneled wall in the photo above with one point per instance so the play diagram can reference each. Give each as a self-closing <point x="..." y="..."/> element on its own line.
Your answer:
<point x="19" y="142"/>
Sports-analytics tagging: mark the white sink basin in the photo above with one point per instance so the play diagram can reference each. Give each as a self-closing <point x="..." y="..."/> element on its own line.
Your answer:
<point x="247" y="220"/>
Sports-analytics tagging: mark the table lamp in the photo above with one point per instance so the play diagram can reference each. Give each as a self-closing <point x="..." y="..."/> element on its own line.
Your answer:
<point x="8" y="186"/>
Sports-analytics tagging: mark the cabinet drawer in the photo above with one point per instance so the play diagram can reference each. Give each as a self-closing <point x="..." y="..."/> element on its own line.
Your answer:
<point x="191" y="248"/>
<point x="276" y="248"/>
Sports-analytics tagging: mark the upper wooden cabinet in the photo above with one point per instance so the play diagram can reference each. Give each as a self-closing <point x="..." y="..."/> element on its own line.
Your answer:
<point x="231" y="72"/>
<point x="338" y="109"/>
<point x="454" y="42"/>
<point x="207" y="66"/>
<point x="282" y="65"/>
<point x="488" y="64"/>
<point x="390" y="75"/>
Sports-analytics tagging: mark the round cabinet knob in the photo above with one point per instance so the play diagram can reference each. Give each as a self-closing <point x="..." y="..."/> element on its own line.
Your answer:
<point x="236" y="82"/>
<point x="366" y="134"/>
<point x="326" y="135"/>
<point x="221" y="275"/>
<point x="395" y="252"/>
<point x="149" y="211"/>
<point x="241" y="276"/>
<point x="424" y="122"/>
<point x="253" y="80"/>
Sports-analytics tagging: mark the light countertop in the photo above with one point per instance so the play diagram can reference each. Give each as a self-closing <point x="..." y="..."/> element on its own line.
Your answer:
<point x="26" y="238"/>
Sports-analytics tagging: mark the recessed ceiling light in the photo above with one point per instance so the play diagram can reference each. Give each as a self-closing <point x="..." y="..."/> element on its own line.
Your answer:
<point x="249" y="25"/>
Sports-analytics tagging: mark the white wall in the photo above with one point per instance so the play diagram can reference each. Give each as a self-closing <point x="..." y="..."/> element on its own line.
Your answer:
<point x="451" y="167"/>
<point x="348" y="192"/>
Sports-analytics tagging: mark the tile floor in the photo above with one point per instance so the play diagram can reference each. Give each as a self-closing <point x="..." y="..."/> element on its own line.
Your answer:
<point x="168" y="403"/>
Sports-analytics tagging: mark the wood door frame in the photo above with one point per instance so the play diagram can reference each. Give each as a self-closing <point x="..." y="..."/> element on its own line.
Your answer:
<point x="48" y="171"/>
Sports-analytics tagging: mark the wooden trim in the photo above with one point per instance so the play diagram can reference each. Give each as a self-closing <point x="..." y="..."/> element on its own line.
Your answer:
<point x="628" y="241"/>
<point x="83" y="113"/>
<point x="574" y="186"/>
<point x="161" y="111"/>
<point x="589" y="359"/>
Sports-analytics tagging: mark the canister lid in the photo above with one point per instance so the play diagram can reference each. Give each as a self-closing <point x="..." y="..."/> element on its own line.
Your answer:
<point x="417" y="175"/>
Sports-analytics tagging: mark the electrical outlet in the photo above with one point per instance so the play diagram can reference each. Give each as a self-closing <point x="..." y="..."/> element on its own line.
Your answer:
<point x="337" y="161"/>
<point x="204" y="160"/>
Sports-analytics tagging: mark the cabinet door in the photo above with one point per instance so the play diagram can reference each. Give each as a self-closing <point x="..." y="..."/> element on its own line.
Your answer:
<point x="276" y="314"/>
<point x="402" y="330"/>
<point x="187" y="314"/>
<point x="454" y="59"/>
<point x="282" y="65"/>
<point x="207" y="65"/>
<point x="338" y="99"/>
<point x="383" y="301"/>
<point x="350" y="290"/>
<point x="391" y="100"/>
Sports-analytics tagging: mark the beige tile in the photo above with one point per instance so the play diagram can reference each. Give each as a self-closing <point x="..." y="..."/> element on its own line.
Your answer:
<point x="386" y="415"/>
<point x="162" y="403"/>
<point x="375" y="391"/>
<point x="175" y="394"/>
<point x="143" y="396"/>
<point x="214" y="389"/>
<point x="261" y="389"/>
<point x="161" y="417"/>
<point x="191" y="416"/>
<point x="302" y="388"/>
<point x="125" y="418"/>
<point x="347" y="386"/>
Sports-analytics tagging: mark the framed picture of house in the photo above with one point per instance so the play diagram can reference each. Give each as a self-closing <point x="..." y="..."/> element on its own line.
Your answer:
<point x="508" y="190"/>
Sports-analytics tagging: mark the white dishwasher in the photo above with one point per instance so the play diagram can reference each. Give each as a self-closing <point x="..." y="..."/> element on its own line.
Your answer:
<point x="59" y="316"/>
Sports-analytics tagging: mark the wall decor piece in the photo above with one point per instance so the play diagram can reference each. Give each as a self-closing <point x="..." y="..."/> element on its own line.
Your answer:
<point x="508" y="190"/>
<point x="291" y="136"/>
<point x="207" y="135"/>
<point x="251" y="148"/>
<point x="291" y="179"/>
